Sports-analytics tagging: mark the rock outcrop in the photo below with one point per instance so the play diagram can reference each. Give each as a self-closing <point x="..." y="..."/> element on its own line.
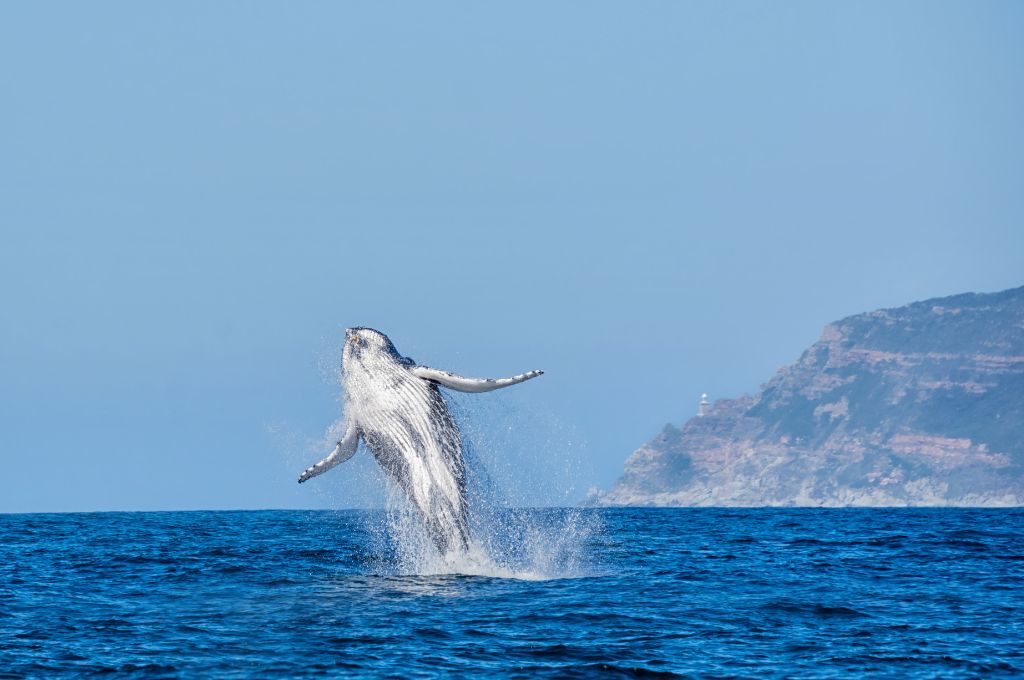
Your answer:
<point x="917" y="405"/>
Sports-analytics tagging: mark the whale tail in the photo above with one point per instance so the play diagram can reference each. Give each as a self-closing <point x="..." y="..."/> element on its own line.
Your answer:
<point x="448" y="538"/>
<point x="450" y="530"/>
<point x="446" y="520"/>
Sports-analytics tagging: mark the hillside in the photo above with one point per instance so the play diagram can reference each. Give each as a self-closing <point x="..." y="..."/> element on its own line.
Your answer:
<point x="916" y="405"/>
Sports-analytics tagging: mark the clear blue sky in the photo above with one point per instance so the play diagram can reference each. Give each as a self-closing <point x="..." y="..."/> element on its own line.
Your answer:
<point x="648" y="200"/>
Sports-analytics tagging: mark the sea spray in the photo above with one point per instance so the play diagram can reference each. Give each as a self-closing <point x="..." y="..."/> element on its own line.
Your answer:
<point x="512" y="534"/>
<point x="519" y="543"/>
<point x="508" y="539"/>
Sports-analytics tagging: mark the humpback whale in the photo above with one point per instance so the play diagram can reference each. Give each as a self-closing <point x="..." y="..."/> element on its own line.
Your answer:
<point x="395" y="407"/>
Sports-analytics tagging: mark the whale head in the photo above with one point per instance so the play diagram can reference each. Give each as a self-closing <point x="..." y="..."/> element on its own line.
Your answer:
<point x="369" y="348"/>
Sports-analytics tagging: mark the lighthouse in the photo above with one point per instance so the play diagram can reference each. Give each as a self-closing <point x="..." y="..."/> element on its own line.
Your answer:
<point x="702" y="410"/>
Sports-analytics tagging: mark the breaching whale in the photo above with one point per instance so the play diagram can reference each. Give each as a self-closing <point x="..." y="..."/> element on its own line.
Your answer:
<point x="395" y="407"/>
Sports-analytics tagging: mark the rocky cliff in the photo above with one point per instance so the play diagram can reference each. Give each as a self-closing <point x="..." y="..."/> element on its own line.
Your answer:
<point x="917" y="405"/>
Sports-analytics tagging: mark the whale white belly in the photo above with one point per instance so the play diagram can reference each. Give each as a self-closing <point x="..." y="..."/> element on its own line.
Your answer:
<point x="407" y="426"/>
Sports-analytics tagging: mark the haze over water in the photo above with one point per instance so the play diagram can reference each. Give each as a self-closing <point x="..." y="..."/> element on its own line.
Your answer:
<point x="705" y="592"/>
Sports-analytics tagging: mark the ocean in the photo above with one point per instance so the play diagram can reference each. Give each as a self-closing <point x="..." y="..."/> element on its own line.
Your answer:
<point x="716" y="593"/>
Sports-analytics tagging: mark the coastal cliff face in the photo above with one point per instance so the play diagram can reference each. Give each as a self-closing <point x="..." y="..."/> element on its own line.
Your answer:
<point x="917" y="405"/>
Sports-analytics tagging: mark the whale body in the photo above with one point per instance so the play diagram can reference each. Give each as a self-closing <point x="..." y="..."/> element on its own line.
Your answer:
<point x="395" y="407"/>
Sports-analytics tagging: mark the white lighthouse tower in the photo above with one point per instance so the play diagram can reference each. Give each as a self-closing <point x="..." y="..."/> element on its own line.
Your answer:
<point x="702" y="410"/>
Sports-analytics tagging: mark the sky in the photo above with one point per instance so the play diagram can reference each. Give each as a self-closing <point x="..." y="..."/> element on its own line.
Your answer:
<point x="646" y="200"/>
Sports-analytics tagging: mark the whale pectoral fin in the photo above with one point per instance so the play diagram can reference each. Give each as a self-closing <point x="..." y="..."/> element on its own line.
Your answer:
<point x="460" y="384"/>
<point x="345" y="449"/>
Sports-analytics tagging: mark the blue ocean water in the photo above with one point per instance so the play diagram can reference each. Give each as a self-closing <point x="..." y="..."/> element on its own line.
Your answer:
<point x="695" y="592"/>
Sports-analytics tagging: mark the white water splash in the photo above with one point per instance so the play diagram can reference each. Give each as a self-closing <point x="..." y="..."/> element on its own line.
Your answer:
<point x="536" y="543"/>
<point x="527" y="544"/>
